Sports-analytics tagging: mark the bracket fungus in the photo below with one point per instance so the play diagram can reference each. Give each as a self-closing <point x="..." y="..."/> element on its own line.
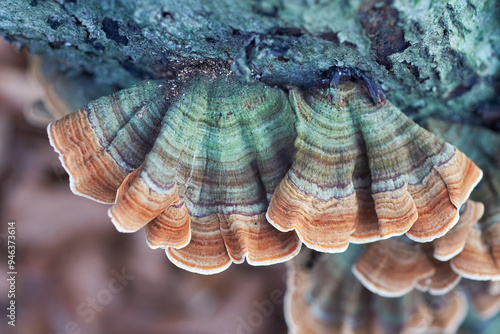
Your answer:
<point x="363" y="172"/>
<point x="478" y="261"/>
<point x="394" y="267"/>
<point x="480" y="258"/>
<point x="218" y="170"/>
<point x="196" y="170"/>
<point x="325" y="297"/>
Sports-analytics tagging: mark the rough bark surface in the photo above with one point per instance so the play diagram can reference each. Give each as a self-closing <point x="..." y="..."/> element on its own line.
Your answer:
<point x="431" y="57"/>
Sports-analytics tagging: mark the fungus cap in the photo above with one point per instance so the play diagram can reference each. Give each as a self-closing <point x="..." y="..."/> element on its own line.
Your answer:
<point x="196" y="170"/>
<point x="393" y="267"/>
<point x="363" y="172"/>
<point x="325" y="298"/>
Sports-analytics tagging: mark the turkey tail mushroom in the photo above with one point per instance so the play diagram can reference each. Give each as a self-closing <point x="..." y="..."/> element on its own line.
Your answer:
<point x="105" y="140"/>
<point x="393" y="267"/>
<point x="480" y="257"/>
<point x="197" y="170"/>
<point x="363" y="172"/>
<point x="325" y="298"/>
<point x="453" y="242"/>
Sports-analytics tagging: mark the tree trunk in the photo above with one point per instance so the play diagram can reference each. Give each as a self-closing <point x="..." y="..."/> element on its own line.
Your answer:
<point x="438" y="58"/>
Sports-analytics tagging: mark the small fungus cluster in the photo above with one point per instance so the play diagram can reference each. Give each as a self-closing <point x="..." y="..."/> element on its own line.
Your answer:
<point x="401" y="286"/>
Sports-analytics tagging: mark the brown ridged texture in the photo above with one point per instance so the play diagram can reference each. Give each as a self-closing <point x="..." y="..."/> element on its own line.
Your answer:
<point x="172" y="227"/>
<point x="93" y="172"/>
<point x="476" y="261"/>
<point x="459" y="185"/>
<point x="480" y="258"/>
<point x="363" y="172"/>
<point x="206" y="252"/>
<point x="392" y="268"/>
<point x="368" y="230"/>
<point x="222" y="150"/>
<point x="436" y="213"/>
<point x="395" y="266"/>
<point x="443" y="281"/>
<point x="106" y="139"/>
<point x="323" y="297"/>
<point x="197" y="170"/>
<point x="310" y="217"/>
<point x="137" y="204"/>
<point x="453" y="242"/>
<point x="218" y="240"/>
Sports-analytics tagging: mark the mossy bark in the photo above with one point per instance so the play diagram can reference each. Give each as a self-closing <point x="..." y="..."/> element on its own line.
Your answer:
<point x="431" y="57"/>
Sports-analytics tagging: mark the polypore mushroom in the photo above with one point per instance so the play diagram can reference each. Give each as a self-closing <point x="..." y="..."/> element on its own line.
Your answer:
<point x="324" y="297"/>
<point x="453" y="242"/>
<point x="363" y="172"/>
<point x="196" y="170"/>
<point x="480" y="258"/>
<point x="476" y="261"/>
<point x="443" y="281"/>
<point x="105" y="140"/>
<point x="393" y="267"/>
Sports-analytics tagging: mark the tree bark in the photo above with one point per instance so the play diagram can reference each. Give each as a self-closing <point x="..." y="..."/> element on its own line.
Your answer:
<point x="438" y="58"/>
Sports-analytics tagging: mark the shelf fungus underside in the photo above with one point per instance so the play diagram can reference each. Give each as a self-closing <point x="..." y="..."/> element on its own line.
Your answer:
<point x="325" y="297"/>
<point x="394" y="267"/>
<point x="363" y="172"/>
<point x="198" y="172"/>
<point x="480" y="259"/>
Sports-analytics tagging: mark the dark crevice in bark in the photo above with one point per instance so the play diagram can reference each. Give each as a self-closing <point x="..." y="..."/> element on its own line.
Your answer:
<point x="380" y="22"/>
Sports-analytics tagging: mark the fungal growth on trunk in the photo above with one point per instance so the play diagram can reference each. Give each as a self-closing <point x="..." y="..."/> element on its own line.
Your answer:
<point x="250" y="128"/>
<point x="363" y="172"/>
<point x="480" y="258"/>
<point x="394" y="267"/>
<point x="199" y="162"/>
<point x="323" y="297"/>
<point x="196" y="170"/>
